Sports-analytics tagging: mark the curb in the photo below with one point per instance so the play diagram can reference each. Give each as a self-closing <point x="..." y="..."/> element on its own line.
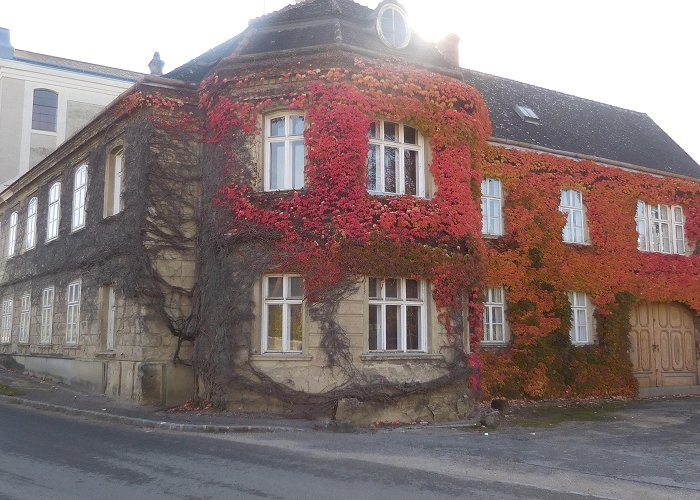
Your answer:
<point x="144" y="423"/>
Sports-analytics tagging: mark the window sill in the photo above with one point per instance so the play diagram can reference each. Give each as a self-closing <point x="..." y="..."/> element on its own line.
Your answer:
<point x="51" y="240"/>
<point x="45" y="132"/>
<point x="493" y="344"/>
<point x="388" y="193"/>
<point x="401" y="356"/>
<point x="71" y="346"/>
<point x="491" y="236"/>
<point x="581" y="344"/>
<point x="105" y="354"/>
<point x="75" y="230"/>
<point x="280" y="356"/>
<point x="583" y="244"/>
<point x="670" y="254"/>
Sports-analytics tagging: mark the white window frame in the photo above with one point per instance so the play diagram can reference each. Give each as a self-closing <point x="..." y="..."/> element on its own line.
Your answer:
<point x="491" y="206"/>
<point x="30" y="232"/>
<point x="12" y="237"/>
<point x="6" y="324"/>
<point x="382" y="301"/>
<point x="80" y="179"/>
<point x="73" y="313"/>
<point x="381" y="143"/>
<point x="25" y="318"/>
<point x="53" y="216"/>
<point x="288" y="139"/>
<point x="109" y="303"/>
<point x="47" y="296"/>
<point x="495" y="306"/>
<point x="114" y="174"/>
<point x="286" y="301"/>
<point x="651" y="225"/>
<point x="581" y="331"/>
<point x="571" y="204"/>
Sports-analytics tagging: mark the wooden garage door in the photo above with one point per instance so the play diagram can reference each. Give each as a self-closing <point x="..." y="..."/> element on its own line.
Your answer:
<point x="663" y="345"/>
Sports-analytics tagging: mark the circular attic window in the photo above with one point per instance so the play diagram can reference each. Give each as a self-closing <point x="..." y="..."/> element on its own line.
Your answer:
<point x="392" y="26"/>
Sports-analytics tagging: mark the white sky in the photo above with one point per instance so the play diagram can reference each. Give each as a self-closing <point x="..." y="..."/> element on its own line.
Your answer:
<point x="638" y="54"/>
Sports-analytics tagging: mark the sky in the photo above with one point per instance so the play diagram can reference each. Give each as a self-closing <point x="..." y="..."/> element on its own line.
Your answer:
<point x="637" y="54"/>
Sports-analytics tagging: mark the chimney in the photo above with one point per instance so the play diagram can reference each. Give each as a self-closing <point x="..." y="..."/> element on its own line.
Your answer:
<point x="156" y="65"/>
<point x="6" y="49"/>
<point x="449" y="48"/>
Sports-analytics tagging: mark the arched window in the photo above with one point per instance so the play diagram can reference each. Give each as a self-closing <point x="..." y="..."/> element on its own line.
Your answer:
<point x="284" y="152"/>
<point x="79" y="195"/>
<point x="44" y="110"/>
<point x="11" y="242"/>
<point x="30" y="234"/>
<point x="54" y="212"/>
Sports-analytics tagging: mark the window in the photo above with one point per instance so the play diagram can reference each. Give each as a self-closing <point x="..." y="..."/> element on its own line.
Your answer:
<point x="54" y="213"/>
<point x="79" y="194"/>
<point x="114" y="172"/>
<point x="526" y="114"/>
<point x="660" y="228"/>
<point x="25" y="318"/>
<point x="397" y="315"/>
<point x="395" y="159"/>
<point x="12" y="240"/>
<point x="73" y="313"/>
<point x="494" y="316"/>
<point x="30" y="233"/>
<point x="571" y="204"/>
<point x="44" y="110"/>
<point x="283" y="315"/>
<point x="392" y="26"/>
<point x="108" y="316"/>
<point x="284" y="152"/>
<point x="6" y="328"/>
<point x="46" y="315"/>
<point x="491" y="207"/>
<point x="580" y="318"/>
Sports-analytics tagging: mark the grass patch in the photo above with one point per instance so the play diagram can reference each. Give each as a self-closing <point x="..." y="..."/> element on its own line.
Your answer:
<point x="552" y="416"/>
<point x="6" y="390"/>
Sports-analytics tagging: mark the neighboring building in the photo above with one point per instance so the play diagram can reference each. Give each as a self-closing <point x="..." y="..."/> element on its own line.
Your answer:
<point x="295" y="214"/>
<point x="46" y="99"/>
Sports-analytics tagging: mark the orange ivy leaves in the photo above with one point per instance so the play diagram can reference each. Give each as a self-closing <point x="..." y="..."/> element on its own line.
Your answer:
<point x="537" y="269"/>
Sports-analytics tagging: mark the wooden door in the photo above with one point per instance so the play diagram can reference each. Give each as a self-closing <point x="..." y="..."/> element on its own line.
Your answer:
<point x="663" y="351"/>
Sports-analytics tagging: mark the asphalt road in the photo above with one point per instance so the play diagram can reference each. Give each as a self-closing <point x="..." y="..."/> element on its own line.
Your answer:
<point x="648" y="454"/>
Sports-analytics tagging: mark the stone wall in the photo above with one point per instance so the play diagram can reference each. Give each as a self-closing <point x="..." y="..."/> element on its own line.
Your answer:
<point x="151" y="286"/>
<point x="310" y="372"/>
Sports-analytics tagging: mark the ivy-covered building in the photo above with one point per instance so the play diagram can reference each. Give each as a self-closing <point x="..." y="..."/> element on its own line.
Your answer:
<point x="327" y="215"/>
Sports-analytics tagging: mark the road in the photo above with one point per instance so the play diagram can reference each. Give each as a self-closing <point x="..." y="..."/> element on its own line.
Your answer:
<point x="647" y="454"/>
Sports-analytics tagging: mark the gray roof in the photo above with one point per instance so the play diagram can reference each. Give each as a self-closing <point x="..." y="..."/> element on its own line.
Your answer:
<point x="312" y="23"/>
<point x="75" y="66"/>
<point x="572" y="124"/>
<point x="567" y="123"/>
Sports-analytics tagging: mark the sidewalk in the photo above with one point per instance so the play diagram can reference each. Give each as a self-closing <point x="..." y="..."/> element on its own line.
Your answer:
<point x="45" y="394"/>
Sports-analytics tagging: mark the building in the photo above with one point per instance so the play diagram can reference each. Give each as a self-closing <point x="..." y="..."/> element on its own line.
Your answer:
<point x="325" y="215"/>
<point x="46" y="99"/>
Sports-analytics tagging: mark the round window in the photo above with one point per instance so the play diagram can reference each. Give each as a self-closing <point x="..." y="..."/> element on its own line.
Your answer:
<point x="392" y="26"/>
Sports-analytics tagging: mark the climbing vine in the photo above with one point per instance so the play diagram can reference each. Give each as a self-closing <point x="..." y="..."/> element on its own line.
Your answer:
<point x="537" y="269"/>
<point x="333" y="232"/>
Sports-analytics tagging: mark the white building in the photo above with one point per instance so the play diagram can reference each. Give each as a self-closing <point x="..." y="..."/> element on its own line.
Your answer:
<point x="46" y="99"/>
